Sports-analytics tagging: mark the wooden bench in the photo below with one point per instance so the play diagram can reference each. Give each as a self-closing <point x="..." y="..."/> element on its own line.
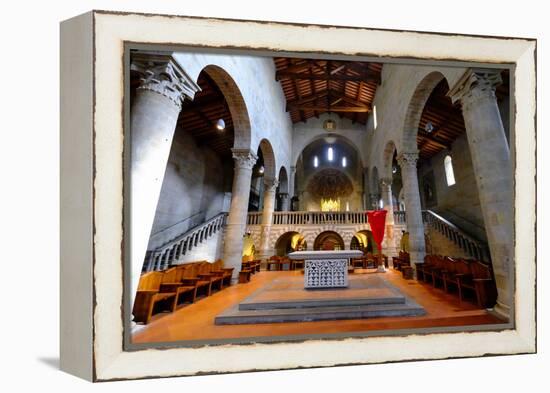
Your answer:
<point x="464" y="276"/>
<point x="244" y="276"/>
<point x="359" y="262"/>
<point x="225" y="272"/>
<point x="191" y="276"/>
<point x="273" y="261"/>
<point x="253" y="265"/>
<point x="172" y="282"/>
<point x="402" y="260"/>
<point x="215" y="278"/>
<point x="297" y="264"/>
<point x="150" y="296"/>
<point x="480" y="282"/>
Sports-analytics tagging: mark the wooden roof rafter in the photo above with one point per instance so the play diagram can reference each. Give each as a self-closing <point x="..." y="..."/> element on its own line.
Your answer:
<point x="316" y="86"/>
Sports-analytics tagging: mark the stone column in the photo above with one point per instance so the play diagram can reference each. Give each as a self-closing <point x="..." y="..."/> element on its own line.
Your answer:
<point x="153" y="117"/>
<point x="291" y="180"/>
<point x="270" y="188"/>
<point x="415" y="226"/>
<point x="284" y="201"/>
<point x="493" y="172"/>
<point x="385" y="187"/>
<point x="373" y="201"/>
<point x="236" y="221"/>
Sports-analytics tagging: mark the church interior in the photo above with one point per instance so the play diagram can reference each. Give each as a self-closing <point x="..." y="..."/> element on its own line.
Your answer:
<point x="284" y="197"/>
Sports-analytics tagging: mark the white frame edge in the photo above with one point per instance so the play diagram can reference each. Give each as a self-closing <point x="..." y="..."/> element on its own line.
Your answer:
<point x="111" y="30"/>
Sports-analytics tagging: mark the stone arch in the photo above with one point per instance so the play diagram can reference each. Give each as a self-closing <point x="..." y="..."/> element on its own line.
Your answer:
<point x="329" y="238"/>
<point x="387" y="159"/>
<point x="284" y="243"/>
<point x="283" y="180"/>
<point x="269" y="159"/>
<point x="366" y="240"/>
<point x="415" y="108"/>
<point x="297" y="153"/>
<point x="236" y="104"/>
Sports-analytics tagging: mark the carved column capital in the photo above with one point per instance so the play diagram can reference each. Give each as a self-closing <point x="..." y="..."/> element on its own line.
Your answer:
<point x="475" y="84"/>
<point x="161" y="74"/>
<point x="244" y="158"/>
<point x="407" y="160"/>
<point x="385" y="182"/>
<point x="270" y="184"/>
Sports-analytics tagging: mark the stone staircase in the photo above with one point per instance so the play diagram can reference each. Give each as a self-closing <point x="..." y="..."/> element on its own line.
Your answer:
<point x="199" y="243"/>
<point x="446" y="238"/>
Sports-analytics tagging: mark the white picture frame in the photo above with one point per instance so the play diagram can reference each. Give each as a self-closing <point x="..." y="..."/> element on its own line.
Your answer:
<point x="92" y="194"/>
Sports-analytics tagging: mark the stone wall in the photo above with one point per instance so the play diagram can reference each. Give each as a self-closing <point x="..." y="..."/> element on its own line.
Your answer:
<point x="438" y="244"/>
<point x="392" y="100"/>
<point x="264" y="101"/>
<point x="192" y="191"/>
<point x="458" y="203"/>
<point x="209" y="250"/>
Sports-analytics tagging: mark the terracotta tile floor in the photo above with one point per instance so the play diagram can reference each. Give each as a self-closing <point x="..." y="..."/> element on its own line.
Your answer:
<point x="196" y="321"/>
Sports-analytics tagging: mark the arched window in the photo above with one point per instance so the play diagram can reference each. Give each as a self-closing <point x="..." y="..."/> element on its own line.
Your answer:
<point x="315" y="162"/>
<point x="344" y="162"/>
<point x="330" y="154"/>
<point x="449" y="172"/>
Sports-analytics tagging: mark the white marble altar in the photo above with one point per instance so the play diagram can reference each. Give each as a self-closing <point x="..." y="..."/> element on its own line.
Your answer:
<point x="325" y="269"/>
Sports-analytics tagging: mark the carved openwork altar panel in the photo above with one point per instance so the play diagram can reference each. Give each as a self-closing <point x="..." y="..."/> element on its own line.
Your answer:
<point x="326" y="273"/>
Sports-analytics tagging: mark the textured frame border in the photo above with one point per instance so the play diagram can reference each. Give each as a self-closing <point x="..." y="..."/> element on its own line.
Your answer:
<point x="112" y="30"/>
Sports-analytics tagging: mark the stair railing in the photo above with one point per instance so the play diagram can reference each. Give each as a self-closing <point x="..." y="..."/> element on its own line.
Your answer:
<point x="169" y="253"/>
<point x="473" y="247"/>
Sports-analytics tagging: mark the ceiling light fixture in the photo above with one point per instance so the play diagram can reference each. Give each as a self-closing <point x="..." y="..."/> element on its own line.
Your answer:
<point x="429" y="127"/>
<point x="220" y="125"/>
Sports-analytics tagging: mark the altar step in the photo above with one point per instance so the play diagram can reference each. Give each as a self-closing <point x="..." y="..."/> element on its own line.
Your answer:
<point x="238" y="317"/>
<point x="287" y="301"/>
<point x="251" y="304"/>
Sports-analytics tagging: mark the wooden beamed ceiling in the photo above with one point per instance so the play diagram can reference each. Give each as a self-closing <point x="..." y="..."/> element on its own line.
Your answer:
<point x="199" y="117"/>
<point x="446" y="119"/>
<point x="313" y="87"/>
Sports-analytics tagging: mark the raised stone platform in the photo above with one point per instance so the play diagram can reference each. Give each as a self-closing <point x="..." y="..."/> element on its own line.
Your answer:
<point x="285" y="300"/>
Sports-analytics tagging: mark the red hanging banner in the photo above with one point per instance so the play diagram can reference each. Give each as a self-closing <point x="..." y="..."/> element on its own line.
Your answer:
<point x="377" y="221"/>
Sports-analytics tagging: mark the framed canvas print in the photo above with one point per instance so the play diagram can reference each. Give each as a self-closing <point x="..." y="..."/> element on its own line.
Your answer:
<point x="241" y="195"/>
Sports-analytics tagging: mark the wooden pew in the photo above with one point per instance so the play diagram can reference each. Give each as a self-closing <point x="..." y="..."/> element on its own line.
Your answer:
<point x="402" y="260"/>
<point x="205" y="273"/>
<point x="191" y="277"/>
<point x="149" y="295"/>
<point x="171" y="282"/>
<point x="359" y="262"/>
<point x="273" y="260"/>
<point x="454" y="269"/>
<point x="297" y="264"/>
<point x="480" y="282"/>
<point x="225" y="272"/>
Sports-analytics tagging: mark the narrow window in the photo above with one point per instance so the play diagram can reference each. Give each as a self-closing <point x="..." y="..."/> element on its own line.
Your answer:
<point x="374" y="117"/>
<point x="449" y="172"/>
<point x="315" y="162"/>
<point x="344" y="162"/>
<point x="330" y="154"/>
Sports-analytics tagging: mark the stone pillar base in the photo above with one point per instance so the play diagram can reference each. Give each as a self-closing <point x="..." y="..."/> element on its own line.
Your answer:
<point x="501" y="311"/>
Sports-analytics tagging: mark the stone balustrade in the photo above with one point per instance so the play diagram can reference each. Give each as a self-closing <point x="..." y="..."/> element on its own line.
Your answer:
<point x="164" y="256"/>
